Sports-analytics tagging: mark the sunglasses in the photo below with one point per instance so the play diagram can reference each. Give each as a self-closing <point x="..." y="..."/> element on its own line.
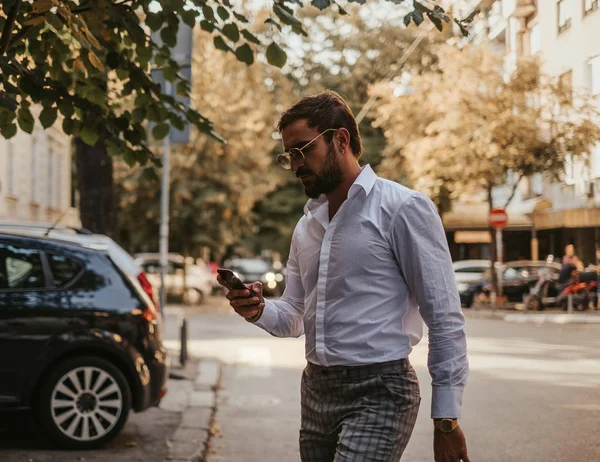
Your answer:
<point x="296" y="154"/>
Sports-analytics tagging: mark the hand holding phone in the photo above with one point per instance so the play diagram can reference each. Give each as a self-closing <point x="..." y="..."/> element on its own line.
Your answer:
<point x="232" y="280"/>
<point x="247" y="301"/>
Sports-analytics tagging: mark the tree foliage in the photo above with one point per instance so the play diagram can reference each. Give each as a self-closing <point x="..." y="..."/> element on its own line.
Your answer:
<point x="214" y="186"/>
<point x="463" y="128"/>
<point x="88" y="60"/>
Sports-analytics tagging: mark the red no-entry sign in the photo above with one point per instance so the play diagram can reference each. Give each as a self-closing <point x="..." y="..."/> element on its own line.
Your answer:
<point x="498" y="218"/>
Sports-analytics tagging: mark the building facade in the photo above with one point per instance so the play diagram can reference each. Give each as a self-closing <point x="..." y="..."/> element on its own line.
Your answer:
<point x="35" y="177"/>
<point x="565" y="35"/>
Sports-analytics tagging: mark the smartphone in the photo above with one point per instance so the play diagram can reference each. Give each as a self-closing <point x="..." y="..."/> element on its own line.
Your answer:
<point x="232" y="280"/>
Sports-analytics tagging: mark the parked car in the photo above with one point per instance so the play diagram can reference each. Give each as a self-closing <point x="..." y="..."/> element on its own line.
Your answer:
<point x="185" y="281"/>
<point x="84" y="237"/>
<point x="256" y="269"/>
<point x="80" y="340"/>
<point x="518" y="278"/>
<point x="467" y="272"/>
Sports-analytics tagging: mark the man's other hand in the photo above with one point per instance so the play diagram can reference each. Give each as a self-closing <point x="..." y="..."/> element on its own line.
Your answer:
<point x="450" y="447"/>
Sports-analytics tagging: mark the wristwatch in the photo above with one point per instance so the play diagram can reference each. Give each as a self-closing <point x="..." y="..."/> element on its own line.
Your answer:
<point x="445" y="425"/>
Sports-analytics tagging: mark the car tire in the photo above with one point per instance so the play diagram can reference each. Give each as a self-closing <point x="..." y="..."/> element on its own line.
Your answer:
<point x="84" y="403"/>
<point x="194" y="297"/>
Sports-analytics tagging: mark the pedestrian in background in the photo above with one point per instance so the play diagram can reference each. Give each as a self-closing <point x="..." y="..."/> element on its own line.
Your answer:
<point x="368" y="262"/>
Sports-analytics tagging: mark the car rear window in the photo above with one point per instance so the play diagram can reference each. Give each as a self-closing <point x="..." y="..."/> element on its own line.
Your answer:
<point x="20" y="268"/>
<point x="64" y="270"/>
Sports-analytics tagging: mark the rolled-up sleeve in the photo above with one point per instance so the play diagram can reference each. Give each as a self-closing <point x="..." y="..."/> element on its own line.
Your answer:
<point x="420" y="245"/>
<point x="284" y="317"/>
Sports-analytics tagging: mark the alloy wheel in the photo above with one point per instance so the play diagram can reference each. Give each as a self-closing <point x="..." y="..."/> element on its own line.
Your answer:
<point x="86" y="403"/>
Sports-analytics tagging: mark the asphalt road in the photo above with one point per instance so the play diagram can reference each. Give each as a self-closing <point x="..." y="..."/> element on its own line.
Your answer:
<point x="533" y="393"/>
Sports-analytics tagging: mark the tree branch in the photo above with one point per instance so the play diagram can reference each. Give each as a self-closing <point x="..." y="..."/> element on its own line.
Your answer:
<point x="9" y="25"/>
<point x="514" y="190"/>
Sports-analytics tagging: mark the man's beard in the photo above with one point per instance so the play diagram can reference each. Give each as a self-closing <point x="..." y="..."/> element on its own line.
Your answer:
<point x="329" y="177"/>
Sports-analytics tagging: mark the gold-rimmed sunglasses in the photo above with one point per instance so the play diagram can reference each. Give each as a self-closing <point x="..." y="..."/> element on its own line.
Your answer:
<point x="296" y="154"/>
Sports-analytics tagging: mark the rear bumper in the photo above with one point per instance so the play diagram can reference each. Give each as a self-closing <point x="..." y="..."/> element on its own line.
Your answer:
<point x="154" y="387"/>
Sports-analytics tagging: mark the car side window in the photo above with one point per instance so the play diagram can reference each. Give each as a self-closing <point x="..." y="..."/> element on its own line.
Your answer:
<point x="64" y="270"/>
<point x="20" y="268"/>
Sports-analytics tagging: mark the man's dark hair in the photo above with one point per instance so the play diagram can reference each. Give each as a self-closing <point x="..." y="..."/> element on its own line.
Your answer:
<point x="324" y="110"/>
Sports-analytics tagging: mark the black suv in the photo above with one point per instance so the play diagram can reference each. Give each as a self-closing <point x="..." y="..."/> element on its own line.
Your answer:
<point x="80" y="341"/>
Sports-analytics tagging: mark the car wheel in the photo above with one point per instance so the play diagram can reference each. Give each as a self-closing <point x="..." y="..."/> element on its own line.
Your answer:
<point x="194" y="297"/>
<point x="534" y="303"/>
<point x="84" y="403"/>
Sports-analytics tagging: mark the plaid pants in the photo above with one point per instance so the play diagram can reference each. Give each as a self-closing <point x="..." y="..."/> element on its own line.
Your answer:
<point x="358" y="413"/>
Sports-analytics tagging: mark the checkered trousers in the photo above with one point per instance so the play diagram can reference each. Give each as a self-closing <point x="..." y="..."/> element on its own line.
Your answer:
<point x="358" y="413"/>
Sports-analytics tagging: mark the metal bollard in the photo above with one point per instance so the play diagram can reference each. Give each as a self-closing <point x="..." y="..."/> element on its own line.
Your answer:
<point x="183" y="336"/>
<point x="570" y="304"/>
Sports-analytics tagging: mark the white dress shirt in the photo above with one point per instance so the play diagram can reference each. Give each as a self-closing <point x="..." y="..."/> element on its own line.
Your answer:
<point x="360" y="286"/>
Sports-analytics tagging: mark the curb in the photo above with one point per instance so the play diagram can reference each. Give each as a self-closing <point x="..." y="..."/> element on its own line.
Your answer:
<point x="535" y="318"/>
<point x="553" y="318"/>
<point x="190" y="442"/>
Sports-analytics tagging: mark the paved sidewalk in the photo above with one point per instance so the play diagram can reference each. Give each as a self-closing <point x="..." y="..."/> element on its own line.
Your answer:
<point x="543" y="317"/>
<point x="191" y="440"/>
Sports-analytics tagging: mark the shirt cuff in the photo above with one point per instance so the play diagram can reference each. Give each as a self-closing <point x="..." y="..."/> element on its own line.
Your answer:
<point x="446" y="402"/>
<point x="269" y="316"/>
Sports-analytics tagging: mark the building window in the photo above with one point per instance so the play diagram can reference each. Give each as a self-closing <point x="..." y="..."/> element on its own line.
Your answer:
<point x="594" y="73"/>
<point x="589" y="6"/>
<point x="535" y="40"/>
<point x="565" y="87"/>
<point x="564" y="14"/>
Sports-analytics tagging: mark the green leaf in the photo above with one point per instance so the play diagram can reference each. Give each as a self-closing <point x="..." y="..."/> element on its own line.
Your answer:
<point x="8" y="130"/>
<point x="122" y="74"/>
<point x="177" y="122"/>
<point x="231" y="31"/>
<point x="286" y="16"/>
<point x="169" y="73"/>
<point x="321" y="4"/>
<point x="154" y="21"/>
<point x="66" y="108"/>
<point x="168" y="36"/>
<point x="48" y="116"/>
<point x="250" y="37"/>
<point x="275" y="23"/>
<point x="25" y="119"/>
<point x="275" y="55"/>
<point x="189" y="17"/>
<point x="160" y="131"/>
<point x="149" y="174"/>
<point x="418" y="17"/>
<point x="183" y="88"/>
<point x="138" y="114"/>
<point x="245" y="54"/>
<point x="207" y="26"/>
<point x="240" y="17"/>
<point x="113" y="150"/>
<point x="208" y="13"/>
<point x="89" y="135"/>
<point x="223" y="13"/>
<point x="220" y="44"/>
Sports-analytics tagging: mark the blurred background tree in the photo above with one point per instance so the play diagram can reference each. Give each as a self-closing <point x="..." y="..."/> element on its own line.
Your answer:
<point x="467" y="127"/>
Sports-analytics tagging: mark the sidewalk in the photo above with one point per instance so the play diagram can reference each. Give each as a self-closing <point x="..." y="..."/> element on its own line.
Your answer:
<point x="550" y="316"/>
<point x="198" y="383"/>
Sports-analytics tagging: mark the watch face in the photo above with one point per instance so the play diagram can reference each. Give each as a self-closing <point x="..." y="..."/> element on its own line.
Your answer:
<point x="446" y="426"/>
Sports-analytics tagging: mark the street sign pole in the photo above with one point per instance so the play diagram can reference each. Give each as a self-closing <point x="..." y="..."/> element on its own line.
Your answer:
<point x="499" y="250"/>
<point x="498" y="220"/>
<point x="163" y="244"/>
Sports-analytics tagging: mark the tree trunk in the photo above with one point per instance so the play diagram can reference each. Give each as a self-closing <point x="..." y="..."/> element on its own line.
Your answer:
<point x="96" y="187"/>
<point x="493" y="256"/>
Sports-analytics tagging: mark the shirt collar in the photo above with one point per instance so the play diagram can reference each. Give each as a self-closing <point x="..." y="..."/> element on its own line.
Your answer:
<point x="365" y="180"/>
